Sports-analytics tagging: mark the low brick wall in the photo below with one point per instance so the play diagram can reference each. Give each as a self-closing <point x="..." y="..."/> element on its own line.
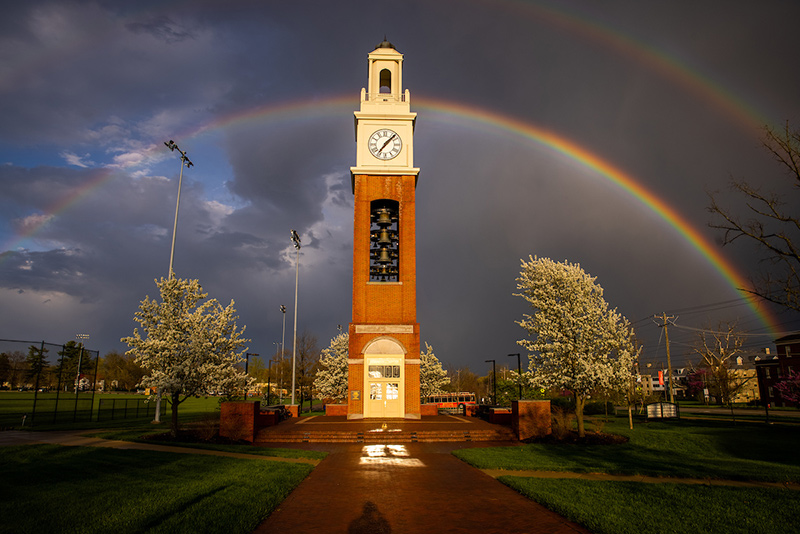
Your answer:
<point x="500" y="416"/>
<point x="237" y="420"/>
<point x="427" y="410"/>
<point x="531" y="419"/>
<point x="336" y="409"/>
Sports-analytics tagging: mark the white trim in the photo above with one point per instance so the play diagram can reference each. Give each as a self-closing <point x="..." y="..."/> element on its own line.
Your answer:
<point x="355" y="361"/>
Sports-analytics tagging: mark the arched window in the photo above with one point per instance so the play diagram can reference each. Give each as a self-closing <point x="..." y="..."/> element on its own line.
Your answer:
<point x="386" y="81"/>
<point x="384" y="241"/>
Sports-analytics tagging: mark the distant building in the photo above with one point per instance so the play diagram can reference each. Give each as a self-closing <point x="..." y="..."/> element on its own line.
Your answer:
<point x="774" y="368"/>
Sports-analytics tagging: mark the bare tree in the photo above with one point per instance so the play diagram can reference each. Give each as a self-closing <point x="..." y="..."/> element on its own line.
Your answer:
<point x="719" y="351"/>
<point x="773" y="223"/>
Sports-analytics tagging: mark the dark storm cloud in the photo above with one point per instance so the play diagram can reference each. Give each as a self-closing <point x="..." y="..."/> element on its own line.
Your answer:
<point x="98" y="87"/>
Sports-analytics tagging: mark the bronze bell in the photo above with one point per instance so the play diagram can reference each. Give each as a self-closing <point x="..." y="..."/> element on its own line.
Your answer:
<point x="384" y="219"/>
<point x="384" y="257"/>
<point x="384" y="237"/>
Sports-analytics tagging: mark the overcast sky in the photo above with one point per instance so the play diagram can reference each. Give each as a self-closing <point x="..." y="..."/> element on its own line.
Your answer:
<point x="261" y="95"/>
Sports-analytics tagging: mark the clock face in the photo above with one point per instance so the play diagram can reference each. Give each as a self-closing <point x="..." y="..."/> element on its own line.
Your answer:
<point x="385" y="144"/>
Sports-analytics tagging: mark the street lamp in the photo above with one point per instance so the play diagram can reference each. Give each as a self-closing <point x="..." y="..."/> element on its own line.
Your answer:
<point x="184" y="161"/>
<point x="296" y="241"/>
<point x="519" y="372"/>
<point x="494" y="382"/>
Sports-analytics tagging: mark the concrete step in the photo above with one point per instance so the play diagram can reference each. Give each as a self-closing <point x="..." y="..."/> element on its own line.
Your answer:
<point x="422" y="436"/>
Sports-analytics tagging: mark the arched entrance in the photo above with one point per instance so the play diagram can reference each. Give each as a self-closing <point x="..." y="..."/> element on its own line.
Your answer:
<point x="384" y="378"/>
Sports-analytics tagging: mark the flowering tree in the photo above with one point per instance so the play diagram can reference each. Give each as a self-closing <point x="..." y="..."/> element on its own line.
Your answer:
<point x="432" y="377"/>
<point x="188" y="347"/>
<point x="331" y="380"/>
<point x="578" y="343"/>
<point x="790" y="388"/>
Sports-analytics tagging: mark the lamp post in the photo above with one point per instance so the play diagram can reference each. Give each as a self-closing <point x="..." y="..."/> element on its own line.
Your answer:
<point x="283" y="338"/>
<point x="494" y="382"/>
<point x="296" y="241"/>
<point x="184" y="162"/>
<point x="277" y="360"/>
<point x="519" y="372"/>
<point x="269" y="379"/>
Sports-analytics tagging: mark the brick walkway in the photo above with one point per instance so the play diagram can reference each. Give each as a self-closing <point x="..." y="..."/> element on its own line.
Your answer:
<point x="407" y="488"/>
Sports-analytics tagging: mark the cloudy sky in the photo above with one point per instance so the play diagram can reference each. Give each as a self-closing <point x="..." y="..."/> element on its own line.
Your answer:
<point x="584" y="131"/>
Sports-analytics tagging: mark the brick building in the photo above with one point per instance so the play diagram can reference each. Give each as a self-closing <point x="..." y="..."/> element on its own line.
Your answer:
<point x="384" y="357"/>
<point x="774" y="368"/>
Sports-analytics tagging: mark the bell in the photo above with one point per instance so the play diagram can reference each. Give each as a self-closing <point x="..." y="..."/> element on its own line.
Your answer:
<point x="384" y="257"/>
<point x="384" y="237"/>
<point x="384" y="219"/>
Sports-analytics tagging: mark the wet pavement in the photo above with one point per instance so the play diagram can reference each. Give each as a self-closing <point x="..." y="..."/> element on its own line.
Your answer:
<point x="407" y="488"/>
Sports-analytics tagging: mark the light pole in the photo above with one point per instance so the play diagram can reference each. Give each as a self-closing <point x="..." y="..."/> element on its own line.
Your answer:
<point x="296" y="241"/>
<point x="82" y="338"/>
<point x="269" y="379"/>
<point x="277" y="348"/>
<point x="283" y="338"/>
<point x="519" y="372"/>
<point x="184" y="162"/>
<point x="494" y="382"/>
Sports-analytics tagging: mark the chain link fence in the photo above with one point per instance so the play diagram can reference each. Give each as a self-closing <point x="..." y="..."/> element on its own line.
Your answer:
<point x="46" y="383"/>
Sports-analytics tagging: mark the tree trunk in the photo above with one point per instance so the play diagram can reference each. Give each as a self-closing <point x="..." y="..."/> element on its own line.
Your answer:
<point x="174" y="423"/>
<point x="579" y="402"/>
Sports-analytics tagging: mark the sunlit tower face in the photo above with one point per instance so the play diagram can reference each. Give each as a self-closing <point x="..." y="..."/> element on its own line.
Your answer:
<point x="384" y="241"/>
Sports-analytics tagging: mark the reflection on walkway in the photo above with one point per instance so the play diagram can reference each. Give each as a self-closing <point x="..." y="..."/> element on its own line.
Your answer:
<point x="388" y="455"/>
<point x="371" y="521"/>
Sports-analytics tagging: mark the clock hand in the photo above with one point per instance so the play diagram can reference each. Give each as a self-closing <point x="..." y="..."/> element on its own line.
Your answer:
<point x="387" y="142"/>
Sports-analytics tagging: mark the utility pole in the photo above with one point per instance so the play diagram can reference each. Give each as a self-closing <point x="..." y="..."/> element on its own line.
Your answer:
<point x="667" y="319"/>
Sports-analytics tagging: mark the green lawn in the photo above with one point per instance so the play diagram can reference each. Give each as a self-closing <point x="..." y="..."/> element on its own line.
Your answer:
<point x="138" y="434"/>
<point x="633" y="508"/>
<point x="693" y="449"/>
<point x="50" y="488"/>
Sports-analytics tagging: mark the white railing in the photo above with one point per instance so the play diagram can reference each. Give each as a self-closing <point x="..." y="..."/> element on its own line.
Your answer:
<point x="378" y="98"/>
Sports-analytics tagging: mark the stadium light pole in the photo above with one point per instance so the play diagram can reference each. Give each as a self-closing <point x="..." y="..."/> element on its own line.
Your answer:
<point x="187" y="163"/>
<point x="283" y="338"/>
<point x="296" y="241"/>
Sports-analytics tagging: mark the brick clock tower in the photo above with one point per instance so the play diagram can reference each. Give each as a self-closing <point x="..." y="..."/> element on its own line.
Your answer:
<point x="384" y="361"/>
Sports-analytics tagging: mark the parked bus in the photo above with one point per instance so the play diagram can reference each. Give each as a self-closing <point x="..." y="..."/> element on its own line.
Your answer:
<point x="452" y="402"/>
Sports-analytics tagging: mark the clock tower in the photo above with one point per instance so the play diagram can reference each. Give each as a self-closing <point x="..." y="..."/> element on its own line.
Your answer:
<point x="384" y="357"/>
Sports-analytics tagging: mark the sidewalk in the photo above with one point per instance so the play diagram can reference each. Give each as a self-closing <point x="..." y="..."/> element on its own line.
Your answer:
<point x="407" y="488"/>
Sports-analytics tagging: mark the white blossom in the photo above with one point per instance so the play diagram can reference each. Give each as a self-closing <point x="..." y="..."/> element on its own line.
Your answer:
<point x="432" y="377"/>
<point x="188" y="347"/>
<point x="331" y="379"/>
<point x="577" y="342"/>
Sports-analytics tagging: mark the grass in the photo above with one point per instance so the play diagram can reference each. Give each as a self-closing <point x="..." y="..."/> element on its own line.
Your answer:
<point x="632" y="508"/>
<point x="138" y="435"/>
<point x="685" y="448"/>
<point x="692" y="449"/>
<point x="88" y="490"/>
